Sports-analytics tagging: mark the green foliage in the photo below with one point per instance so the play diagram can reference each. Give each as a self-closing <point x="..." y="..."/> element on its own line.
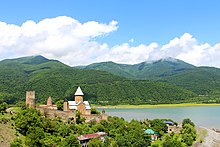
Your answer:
<point x="159" y="126"/>
<point x="16" y="143"/>
<point x="94" y="111"/>
<point x="201" y="80"/>
<point x="60" y="104"/>
<point x="40" y="131"/>
<point x="187" y="139"/>
<point x="79" y="119"/>
<point x="70" y="141"/>
<point x="3" y="107"/>
<point x="170" y="141"/>
<point x="188" y="132"/>
<point x="28" y="118"/>
<point x="187" y="121"/>
<point x="96" y="143"/>
<point x="189" y="129"/>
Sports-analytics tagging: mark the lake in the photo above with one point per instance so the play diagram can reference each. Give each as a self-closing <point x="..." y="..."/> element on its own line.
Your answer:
<point x="206" y="116"/>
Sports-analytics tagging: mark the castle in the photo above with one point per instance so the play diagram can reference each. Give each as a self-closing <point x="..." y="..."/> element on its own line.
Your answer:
<point x="69" y="108"/>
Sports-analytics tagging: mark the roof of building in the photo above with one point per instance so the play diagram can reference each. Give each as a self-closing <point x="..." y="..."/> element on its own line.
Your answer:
<point x="79" y="91"/>
<point x="149" y="131"/>
<point x="73" y="105"/>
<point x="169" y="123"/>
<point x="90" y="136"/>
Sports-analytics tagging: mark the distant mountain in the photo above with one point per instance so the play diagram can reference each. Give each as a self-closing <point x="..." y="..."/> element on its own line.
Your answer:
<point x="53" y="78"/>
<point x="145" y="70"/>
<point x="33" y="60"/>
<point x="201" y="80"/>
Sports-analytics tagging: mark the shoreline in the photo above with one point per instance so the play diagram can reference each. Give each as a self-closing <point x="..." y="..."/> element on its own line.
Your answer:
<point x="154" y="106"/>
<point x="210" y="139"/>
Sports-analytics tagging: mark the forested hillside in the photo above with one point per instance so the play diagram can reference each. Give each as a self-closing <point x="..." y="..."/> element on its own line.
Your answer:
<point x="201" y="80"/>
<point x="145" y="70"/>
<point x="53" y="78"/>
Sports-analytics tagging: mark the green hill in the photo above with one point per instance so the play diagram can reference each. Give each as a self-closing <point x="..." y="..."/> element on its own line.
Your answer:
<point x="201" y="80"/>
<point x="145" y="70"/>
<point x="53" y="78"/>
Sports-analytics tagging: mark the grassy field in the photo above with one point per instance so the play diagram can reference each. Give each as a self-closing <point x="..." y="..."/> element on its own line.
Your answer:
<point x="155" y="106"/>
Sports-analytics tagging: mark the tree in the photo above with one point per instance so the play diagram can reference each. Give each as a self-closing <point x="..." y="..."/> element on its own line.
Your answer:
<point x="189" y="134"/>
<point x="159" y="126"/>
<point x="79" y="119"/>
<point x="94" y="111"/>
<point x="34" y="136"/>
<point x="27" y="120"/>
<point x="95" y="142"/>
<point x="3" y="107"/>
<point x="187" y="139"/>
<point x="169" y="141"/>
<point x="188" y="121"/>
<point x="50" y="140"/>
<point x="60" y="104"/>
<point x="70" y="141"/>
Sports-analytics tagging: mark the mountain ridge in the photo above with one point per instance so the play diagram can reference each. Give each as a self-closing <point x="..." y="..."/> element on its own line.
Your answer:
<point x="53" y="78"/>
<point x="202" y="80"/>
<point x="143" y="70"/>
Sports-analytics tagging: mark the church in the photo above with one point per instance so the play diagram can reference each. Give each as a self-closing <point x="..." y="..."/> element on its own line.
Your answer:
<point x="82" y="106"/>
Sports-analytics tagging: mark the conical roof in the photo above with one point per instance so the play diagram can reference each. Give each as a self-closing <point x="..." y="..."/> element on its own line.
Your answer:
<point x="79" y="91"/>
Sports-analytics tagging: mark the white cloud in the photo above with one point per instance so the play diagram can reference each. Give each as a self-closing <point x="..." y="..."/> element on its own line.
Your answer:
<point x="74" y="43"/>
<point x="62" y="38"/>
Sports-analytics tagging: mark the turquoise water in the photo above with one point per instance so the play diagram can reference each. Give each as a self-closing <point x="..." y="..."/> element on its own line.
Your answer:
<point x="207" y="116"/>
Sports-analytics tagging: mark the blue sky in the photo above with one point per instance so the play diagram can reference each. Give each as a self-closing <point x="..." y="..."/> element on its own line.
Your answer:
<point x="142" y="21"/>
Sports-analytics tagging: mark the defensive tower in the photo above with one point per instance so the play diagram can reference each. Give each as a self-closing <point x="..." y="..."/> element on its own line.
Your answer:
<point x="30" y="99"/>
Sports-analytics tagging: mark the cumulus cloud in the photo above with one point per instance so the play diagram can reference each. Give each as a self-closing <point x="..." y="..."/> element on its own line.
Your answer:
<point x="74" y="43"/>
<point x="185" y="48"/>
<point x="62" y="38"/>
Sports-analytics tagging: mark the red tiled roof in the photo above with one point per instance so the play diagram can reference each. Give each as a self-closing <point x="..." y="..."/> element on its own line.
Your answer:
<point x="90" y="136"/>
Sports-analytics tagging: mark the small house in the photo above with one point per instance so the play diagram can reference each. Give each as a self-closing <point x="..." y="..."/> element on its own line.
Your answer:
<point x="84" y="139"/>
<point x="152" y="133"/>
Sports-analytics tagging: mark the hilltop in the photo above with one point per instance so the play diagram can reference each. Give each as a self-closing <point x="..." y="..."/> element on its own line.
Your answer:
<point x="145" y="70"/>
